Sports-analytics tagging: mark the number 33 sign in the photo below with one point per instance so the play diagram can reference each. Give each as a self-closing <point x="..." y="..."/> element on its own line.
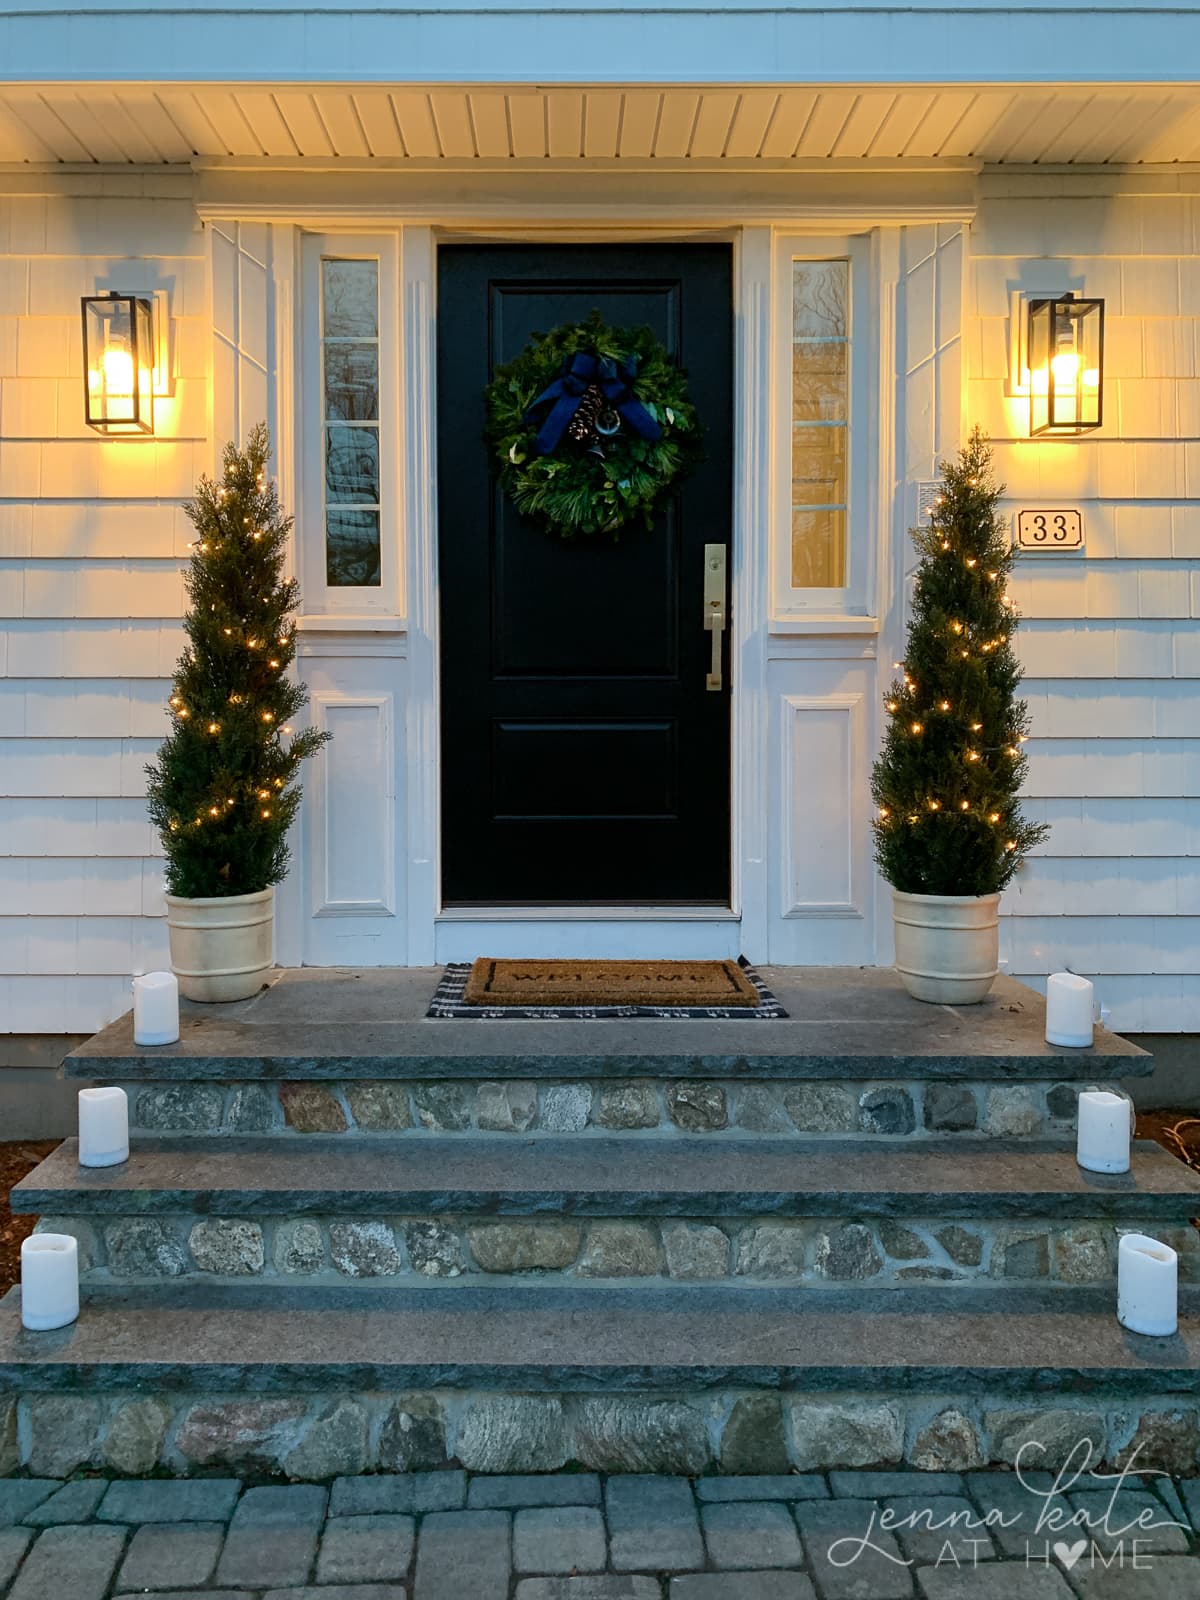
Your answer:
<point x="1050" y="530"/>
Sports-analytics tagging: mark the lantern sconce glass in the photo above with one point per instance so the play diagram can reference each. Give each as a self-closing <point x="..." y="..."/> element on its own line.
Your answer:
<point x="119" y="358"/>
<point x="1065" y="361"/>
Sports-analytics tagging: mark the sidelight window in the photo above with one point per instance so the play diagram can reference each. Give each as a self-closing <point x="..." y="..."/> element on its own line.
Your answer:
<point x="347" y="515"/>
<point x="350" y="383"/>
<point x="820" y="422"/>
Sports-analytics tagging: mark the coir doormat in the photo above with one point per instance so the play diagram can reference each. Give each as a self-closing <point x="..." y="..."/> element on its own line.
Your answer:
<point x="497" y="989"/>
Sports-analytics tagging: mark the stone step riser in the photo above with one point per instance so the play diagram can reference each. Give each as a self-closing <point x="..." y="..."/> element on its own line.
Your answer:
<point x="810" y="1251"/>
<point x="311" y="1435"/>
<point x="648" y="1107"/>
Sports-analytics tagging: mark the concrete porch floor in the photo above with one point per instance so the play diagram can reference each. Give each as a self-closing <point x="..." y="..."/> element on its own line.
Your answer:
<point x="842" y="1021"/>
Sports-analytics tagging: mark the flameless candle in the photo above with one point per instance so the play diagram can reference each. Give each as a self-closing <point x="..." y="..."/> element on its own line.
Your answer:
<point x="1068" y="1010"/>
<point x="1103" y="1132"/>
<point x="49" y="1281"/>
<point x="103" y="1127"/>
<point x="1147" y="1286"/>
<point x="156" y="1008"/>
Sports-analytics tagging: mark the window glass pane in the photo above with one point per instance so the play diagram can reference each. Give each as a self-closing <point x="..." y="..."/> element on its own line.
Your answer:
<point x="818" y="549"/>
<point x="352" y="465"/>
<point x="351" y="299"/>
<point x="351" y="548"/>
<point x="820" y="423"/>
<point x="350" y="376"/>
<point x="352" y="382"/>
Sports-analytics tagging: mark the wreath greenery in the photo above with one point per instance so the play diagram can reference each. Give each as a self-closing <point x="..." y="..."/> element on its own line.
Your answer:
<point x="590" y="426"/>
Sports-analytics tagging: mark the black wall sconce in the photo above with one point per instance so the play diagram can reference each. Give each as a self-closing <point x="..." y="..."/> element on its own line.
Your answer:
<point x="118" y="363"/>
<point x="1065" y="352"/>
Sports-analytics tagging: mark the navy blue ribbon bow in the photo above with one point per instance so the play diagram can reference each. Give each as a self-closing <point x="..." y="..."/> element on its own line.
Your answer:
<point x="579" y="373"/>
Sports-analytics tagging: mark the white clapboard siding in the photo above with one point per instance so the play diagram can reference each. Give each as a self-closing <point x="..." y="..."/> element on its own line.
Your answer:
<point x="93" y="539"/>
<point x="1111" y="641"/>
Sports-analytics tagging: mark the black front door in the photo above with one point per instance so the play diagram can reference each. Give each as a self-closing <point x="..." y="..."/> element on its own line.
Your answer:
<point x="584" y="757"/>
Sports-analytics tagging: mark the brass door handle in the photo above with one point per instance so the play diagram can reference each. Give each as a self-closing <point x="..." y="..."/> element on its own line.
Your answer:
<point x="715" y="610"/>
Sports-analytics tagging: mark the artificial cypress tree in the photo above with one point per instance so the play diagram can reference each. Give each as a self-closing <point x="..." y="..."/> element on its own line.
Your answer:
<point x="947" y="780"/>
<point x="221" y="793"/>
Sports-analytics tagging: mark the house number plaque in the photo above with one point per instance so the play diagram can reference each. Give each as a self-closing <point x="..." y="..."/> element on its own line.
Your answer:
<point x="1051" y="529"/>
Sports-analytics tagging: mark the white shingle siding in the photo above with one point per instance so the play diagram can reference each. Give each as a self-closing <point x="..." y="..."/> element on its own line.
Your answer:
<point x="92" y="541"/>
<point x="1112" y="644"/>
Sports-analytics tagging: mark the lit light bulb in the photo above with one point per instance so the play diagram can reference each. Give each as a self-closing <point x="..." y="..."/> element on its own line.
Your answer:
<point x="976" y="726"/>
<point x="1065" y="368"/>
<point x="175" y="700"/>
<point x="893" y="705"/>
<point x="279" y="783"/>
<point x="252" y="644"/>
<point x="944" y="705"/>
<point x="945" y="544"/>
<point x="972" y="755"/>
<point x="884" y="812"/>
<point x="213" y="811"/>
<point x="935" y="805"/>
<point x="956" y="627"/>
<point x="214" y="727"/>
<point x="272" y="663"/>
<point x="116" y="372"/>
<point x="264" y="794"/>
<point x="914" y="818"/>
<point x="1011" y="845"/>
<point x="228" y="633"/>
<point x="993" y="816"/>
<point x="265" y="812"/>
<point x="183" y="712"/>
<point x="918" y="727"/>
<point x="287" y="728"/>
<point x="268" y="716"/>
<point x="972" y="562"/>
<point x="964" y="805"/>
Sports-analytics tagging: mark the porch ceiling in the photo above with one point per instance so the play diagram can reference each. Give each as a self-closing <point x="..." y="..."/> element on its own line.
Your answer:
<point x="150" y="124"/>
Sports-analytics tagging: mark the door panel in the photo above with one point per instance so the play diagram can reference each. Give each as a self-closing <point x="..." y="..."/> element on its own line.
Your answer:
<point x="583" y="758"/>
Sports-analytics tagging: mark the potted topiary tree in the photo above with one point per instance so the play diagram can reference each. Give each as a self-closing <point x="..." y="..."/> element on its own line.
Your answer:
<point x="948" y="828"/>
<point x="222" y="792"/>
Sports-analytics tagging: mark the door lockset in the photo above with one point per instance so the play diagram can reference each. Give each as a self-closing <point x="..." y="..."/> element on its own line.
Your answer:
<point x="715" y="611"/>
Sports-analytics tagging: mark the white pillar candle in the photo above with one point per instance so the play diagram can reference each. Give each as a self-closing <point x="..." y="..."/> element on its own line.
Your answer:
<point x="103" y="1127"/>
<point x="156" y="1008"/>
<point x="49" y="1281"/>
<point x="1068" y="1010"/>
<point x="1103" y="1131"/>
<point x="1147" y="1286"/>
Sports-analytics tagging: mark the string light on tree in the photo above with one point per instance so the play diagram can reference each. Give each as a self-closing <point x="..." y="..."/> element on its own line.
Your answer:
<point x="946" y="818"/>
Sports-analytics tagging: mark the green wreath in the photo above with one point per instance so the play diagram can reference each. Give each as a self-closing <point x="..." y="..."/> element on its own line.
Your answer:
<point x="591" y="426"/>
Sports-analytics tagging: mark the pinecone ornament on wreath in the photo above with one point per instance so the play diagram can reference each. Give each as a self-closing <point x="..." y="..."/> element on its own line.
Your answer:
<point x="583" y="424"/>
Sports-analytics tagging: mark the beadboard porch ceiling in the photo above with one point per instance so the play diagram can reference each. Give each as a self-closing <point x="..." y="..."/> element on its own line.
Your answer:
<point x="304" y="125"/>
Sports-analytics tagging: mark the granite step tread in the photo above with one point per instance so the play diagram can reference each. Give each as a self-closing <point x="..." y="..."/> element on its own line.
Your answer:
<point x="843" y="1022"/>
<point x="251" y="1340"/>
<point x="610" y="1177"/>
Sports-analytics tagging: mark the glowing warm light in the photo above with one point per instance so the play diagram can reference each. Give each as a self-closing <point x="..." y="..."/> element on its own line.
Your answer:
<point x="972" y="755"/>
<point x="944" y="705"/>
<point x="214" y="727"/>
<point x="884" y="812"/>
<point x="1065" y="368"/>
<point x="918" y="727"/>
<point x="964" y="805"/>
<point x="994" y="816"/>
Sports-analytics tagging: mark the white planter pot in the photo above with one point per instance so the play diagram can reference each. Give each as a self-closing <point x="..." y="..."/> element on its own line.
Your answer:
<point x="221" y="949"/>
<point x="947" y="945"/>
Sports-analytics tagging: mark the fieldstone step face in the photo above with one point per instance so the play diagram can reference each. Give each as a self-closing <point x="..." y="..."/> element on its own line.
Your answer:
<point x="843" y="1024"/>
<point x="890" y="1107"/>
<point x="812" y="1252"/>
<point x="663" y="1432"/>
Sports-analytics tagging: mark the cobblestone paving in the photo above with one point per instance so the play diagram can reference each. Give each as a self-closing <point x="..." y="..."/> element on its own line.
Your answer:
<point x="579" y="1536"/>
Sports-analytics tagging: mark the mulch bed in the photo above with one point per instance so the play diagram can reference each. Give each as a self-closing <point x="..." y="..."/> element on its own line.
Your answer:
<point x="1176" y="1131"/>
<point x="16" y="1160"/>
